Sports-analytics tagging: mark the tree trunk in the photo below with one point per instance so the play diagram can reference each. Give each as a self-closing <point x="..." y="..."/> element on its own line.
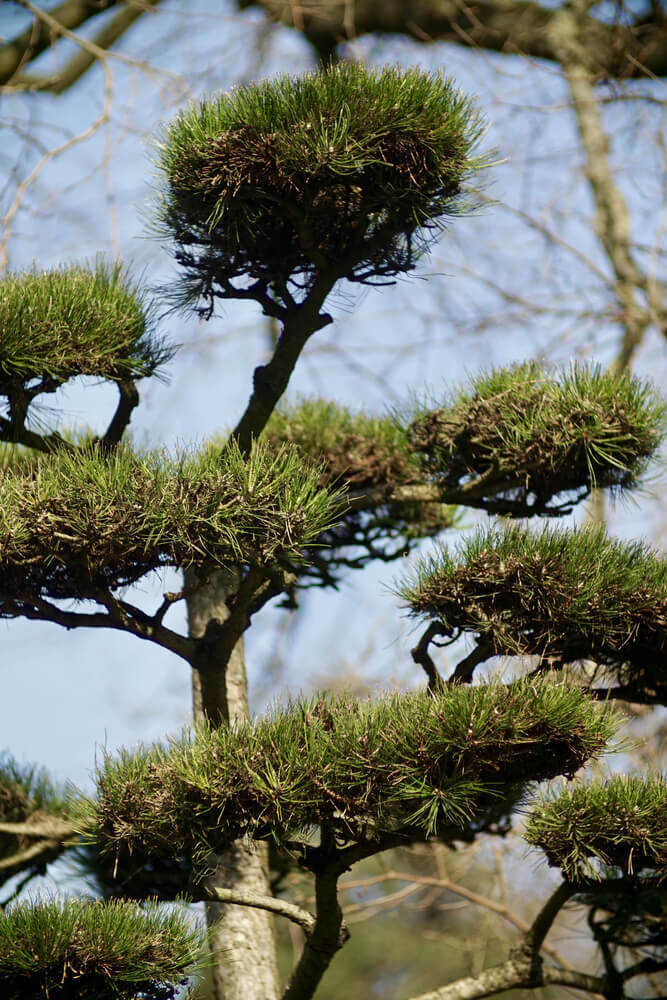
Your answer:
<point x="241" y="938"/>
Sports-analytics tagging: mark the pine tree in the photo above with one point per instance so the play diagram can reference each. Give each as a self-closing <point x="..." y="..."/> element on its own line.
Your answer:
<point x="277" y="193"/>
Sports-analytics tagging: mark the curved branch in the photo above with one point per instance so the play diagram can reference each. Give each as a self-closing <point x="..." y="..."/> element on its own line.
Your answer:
<point x="465" y="668"/>
<point x="128" y="400"/>
<point x="52" y="837"/>
<point x="422" y="657"/>
<point x="282" y="907"/>
<point x="120" y="615"/>
<point x="524" y="968"/>
<point x="271" y="380"/>
<point x="328" y="935"/>
<point x="37" y="854"/>
<point x="47" y="443"/>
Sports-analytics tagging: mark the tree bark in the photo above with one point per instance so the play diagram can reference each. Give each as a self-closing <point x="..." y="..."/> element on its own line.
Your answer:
<point x="241" y="938"/>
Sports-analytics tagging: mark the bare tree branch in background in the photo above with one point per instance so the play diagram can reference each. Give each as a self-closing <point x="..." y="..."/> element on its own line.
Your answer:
<point x="632" y="47"/>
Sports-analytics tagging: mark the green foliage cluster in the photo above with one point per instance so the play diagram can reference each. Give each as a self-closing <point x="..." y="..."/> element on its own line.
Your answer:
<point x="85" y="520"/>
<point x="76" y="320"/>
<point x="588" y="828"/>
<point x="79" y="950"/>
<point x="406" y="763"/>
<point x="569" y="594"/>
<point x="340" y="169"/>
<point x="363" y="451"/>
<point x="26" y="789"/>
<point x="359" y="452"/>
<point x="25" y="792"/>
<point x="537" y="436"/>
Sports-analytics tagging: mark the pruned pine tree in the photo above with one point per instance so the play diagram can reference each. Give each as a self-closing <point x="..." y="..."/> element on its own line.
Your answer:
<point x="275" y="193"/>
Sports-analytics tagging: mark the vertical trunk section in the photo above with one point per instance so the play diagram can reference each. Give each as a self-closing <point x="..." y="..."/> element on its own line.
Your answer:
<point x="242" y="938"/>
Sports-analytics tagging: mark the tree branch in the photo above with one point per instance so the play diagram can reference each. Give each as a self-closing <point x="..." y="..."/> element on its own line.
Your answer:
<point x="128" y="400"/>
<point x="478" y="494"/>
<point x="632" y="47"/>
<point x="84" y="58"/>
<point x="636" y="48"/>
<point x="52" y="829"/>
<point x="282" y="907"/>
<point x="612" y="219"/>
<point x="524" y="968"/>
<point x="649" y="695"/>
<point x="45" y="443"/>
<point x="329" y="933"/>
<point x="271" y="380"/>
<point x="422" y="658"/>
<point x="465" y="668"/>
<point x="53" y="836"/>
<point x="61" y="21"/>
<point x="37" y="854"/>
<point x="120" y="615"/>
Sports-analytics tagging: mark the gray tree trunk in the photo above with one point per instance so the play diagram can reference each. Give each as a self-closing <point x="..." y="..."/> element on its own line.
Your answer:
<point x="242" y="938"/>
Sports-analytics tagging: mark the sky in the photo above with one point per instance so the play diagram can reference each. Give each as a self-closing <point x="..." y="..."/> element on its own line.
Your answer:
<point x="66" y="696"/>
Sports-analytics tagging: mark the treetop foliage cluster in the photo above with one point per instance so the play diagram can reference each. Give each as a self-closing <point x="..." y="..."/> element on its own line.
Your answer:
<point x="339" y="169"/>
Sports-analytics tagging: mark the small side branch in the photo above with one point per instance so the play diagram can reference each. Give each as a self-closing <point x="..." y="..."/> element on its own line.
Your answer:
<point x="422" y="657"/>
<point x="304" y="919"/>
<point x="128" y="400"/>
<point x="465" y="668"/>
<point x="119" y="615"/>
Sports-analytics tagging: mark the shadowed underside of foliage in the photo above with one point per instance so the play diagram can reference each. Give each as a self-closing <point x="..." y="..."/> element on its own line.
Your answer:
<point x="597" y="828"/>
<point x="341" y="170"/>
<point x="565" y="595"/>
<point x="79" y="522"/>
<point x="77" y="320"/>
<point x="405" y="764"/>
<point x="78" y="950"/>
<point x="534" y="437"/>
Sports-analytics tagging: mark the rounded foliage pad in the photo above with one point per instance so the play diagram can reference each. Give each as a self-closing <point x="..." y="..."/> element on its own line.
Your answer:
<point x="76" y="320"/>
<point x="522" y="437"/>
<point x="408" y="764"/>
<point x="595" y="829"/>
<point x="336" y="170"/>
<point x="566" y="595"/>
<point x="81" y="522"/>
<point x="77" y="949"/>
